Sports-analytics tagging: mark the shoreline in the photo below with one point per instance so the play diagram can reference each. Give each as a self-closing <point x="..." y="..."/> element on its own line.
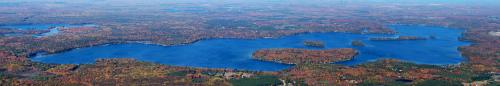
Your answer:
<point x="250" y="38"/>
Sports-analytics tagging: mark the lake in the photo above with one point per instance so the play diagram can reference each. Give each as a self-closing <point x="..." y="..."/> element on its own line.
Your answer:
<point x="236" y="53"/>
<point x="53" y="28"/>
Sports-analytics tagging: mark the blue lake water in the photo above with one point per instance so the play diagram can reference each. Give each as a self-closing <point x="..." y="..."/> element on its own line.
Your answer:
<point x="53" y="28"/>
<point x="236" y="53"/>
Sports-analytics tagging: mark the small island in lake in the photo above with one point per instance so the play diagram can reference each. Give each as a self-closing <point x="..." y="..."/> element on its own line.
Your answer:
<point x="397" y="38"/>
<point x="357" y="43"/>
<point x="296" y="56"/>
<point x="318" y="44"/>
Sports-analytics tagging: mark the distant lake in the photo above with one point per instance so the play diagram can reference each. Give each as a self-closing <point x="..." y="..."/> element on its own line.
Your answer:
<point x="236" y="53"/>
<point x="53" y="28"/>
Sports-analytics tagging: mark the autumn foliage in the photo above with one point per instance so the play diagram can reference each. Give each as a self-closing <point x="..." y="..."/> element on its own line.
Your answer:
<point x="299" y="56"/>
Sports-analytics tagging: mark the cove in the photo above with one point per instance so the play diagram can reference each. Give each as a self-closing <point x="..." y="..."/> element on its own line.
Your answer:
<point x="236" y="53"/>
